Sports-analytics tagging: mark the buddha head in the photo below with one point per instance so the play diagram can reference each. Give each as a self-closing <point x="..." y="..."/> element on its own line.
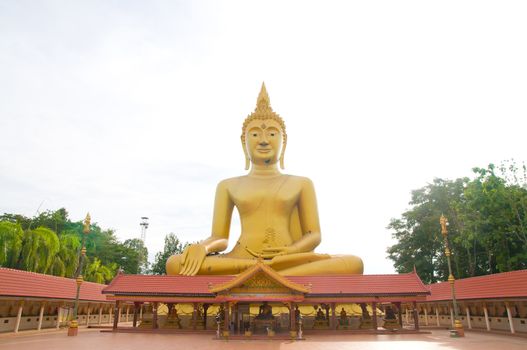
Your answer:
<point x="263" y="134"/>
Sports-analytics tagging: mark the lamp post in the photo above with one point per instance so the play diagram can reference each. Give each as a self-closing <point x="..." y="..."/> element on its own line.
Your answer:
<point x="74" y="325"/>
<point x="458" y="326"/>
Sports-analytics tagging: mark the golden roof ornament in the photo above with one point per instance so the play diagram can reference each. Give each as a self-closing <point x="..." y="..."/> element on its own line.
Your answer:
<point x="87" y="222"/>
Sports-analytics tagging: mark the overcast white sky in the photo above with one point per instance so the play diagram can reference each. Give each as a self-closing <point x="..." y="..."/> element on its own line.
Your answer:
<point x="134" y="108"/>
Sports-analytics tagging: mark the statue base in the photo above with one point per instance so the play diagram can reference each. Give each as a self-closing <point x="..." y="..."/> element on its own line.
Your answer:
<point x="320" y="324"/>
<point x="366" y="324"/>
<point x="391" y="325"/>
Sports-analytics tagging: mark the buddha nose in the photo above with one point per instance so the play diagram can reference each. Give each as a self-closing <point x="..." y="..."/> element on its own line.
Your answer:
<point x="264" y="143"/>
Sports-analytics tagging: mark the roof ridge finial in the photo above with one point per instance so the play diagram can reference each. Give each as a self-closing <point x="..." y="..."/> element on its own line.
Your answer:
<point x="264" y="102"/>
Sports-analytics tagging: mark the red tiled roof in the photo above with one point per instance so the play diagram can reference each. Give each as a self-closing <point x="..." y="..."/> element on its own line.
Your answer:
<point x="403" y="284"/>
<point x="500" y="285"/>
<point x="163" y="285"/>
<point x="20" y="283"/>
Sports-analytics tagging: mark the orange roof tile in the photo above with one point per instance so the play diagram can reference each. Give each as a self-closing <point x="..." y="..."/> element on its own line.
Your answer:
<point x="402" y="284"/>
<point x="163" y="284"/>
<point x="374" y="285"/>
<point x="20" y="283"/>
<point x="500" y="285"/>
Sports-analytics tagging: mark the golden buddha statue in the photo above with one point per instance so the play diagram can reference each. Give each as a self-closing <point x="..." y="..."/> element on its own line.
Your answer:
<point x="278" y="213"/>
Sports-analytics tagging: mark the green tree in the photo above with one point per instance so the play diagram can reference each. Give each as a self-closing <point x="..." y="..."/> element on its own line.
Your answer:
<point x="99" y="273"/>
<point x="11" y="235"/>
<point x="172" y="246"/>
<point x="487" y="232"/>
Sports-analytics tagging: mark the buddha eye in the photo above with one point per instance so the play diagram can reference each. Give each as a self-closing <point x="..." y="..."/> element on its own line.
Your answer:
<point x="255" y="134"/>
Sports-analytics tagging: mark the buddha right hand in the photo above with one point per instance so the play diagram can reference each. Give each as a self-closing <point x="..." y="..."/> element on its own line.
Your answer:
<point x="192" y="258"/>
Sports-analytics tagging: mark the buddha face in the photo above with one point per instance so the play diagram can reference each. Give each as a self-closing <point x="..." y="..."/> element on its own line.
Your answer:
<point x="263" y="141"/>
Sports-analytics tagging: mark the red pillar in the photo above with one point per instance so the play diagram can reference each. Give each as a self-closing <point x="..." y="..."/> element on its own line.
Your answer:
<point x="374" y="317"/>
<point x="116" y="315"/>
<point x="416" y="317"/>
<point x="226" y="319"/>
<point x="154" y="316"/>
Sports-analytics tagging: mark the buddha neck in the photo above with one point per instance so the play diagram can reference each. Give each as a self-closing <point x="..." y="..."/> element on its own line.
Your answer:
<point x="268" y="170"/>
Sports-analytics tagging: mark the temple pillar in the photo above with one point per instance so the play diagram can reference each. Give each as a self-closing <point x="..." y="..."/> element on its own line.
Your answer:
<point x="205" y="308"/>
<point x="141" y="312"/>
<point x="127" y="312"/>
<point x="88" y="316"/>
<point x="59" y="314"/>
<point x="292" y="317"/>
<point x="451" y="315"/>
<point x="469" y="323"/>
<point x="19" y="316"/>
<point x="40" y="316"/>
<point x="136" y="307"/>
<point x="374" y="315"/>
<point x="509" y="315"/>
<point x="416" y="316"/>
<point x="399" y="313"/>
<point x="437" y="316"/>
<point x="154" y="315"/>
<point x="486" y="313"/>
<point x="333" y="317"/>
<point x="100" y="315"/>
<point x="426" y="314"/>
<point x="115" y="315"/>
<point x="227" y="310"/>
<point x="194" y="315"/>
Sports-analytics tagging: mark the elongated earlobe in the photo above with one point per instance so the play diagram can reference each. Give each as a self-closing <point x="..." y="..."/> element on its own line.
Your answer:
<point x="283" y="152"/>
<point x="247" y="160"/>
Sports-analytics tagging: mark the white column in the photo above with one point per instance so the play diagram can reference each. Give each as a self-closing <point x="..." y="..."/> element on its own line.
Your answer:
<point x="509" y="314"/>
<point x="437" y="316"/>
<point x="141" y="311"/>
<point x="40" y="316"/>
<point x="468" y="318"/>
<point x="59" y="314"/>
<point x="127" y="312"/>
<point x="19" y="316"/>
<point x="406" y="315"/>
<point x="100" y="314"/>
<point x="486" y="312"/>
<point x="119" y="318"/>
<point x="110" y="315"/>
<point x="88" y="316"/>
<point x="451" y="316"/>
<point x="426" y="315"/>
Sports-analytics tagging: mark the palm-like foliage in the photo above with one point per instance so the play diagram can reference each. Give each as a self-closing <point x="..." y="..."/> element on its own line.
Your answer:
<point x="11" y="235"/>
<point x="39" y="249"/>
<point x="66" y="259"/>
<point x="98" y="273"/>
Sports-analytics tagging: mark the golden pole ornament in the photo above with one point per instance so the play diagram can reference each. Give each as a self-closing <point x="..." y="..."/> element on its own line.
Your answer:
<point x="87" y="223"/>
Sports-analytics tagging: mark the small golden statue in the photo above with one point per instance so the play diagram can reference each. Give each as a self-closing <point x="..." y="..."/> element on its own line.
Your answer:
<point x="278" y="213"/>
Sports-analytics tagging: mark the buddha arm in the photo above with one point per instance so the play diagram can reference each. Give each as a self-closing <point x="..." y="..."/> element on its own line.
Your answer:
<point x="194" y="255"/>
<point x="308" y="215"/>
<point x="221" y="220"/>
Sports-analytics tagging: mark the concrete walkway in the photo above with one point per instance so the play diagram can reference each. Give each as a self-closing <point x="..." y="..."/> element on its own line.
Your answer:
<point x="93" y="339"/>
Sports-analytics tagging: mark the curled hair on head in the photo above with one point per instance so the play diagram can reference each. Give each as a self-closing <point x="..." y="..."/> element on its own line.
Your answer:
<point x="263" y="111"/>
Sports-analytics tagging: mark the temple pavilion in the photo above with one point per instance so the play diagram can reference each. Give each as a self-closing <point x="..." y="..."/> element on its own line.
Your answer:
<point x="259" y="300"/>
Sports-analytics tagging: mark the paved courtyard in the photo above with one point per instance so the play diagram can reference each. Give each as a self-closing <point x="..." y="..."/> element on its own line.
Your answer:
<point x="95" y="340"/>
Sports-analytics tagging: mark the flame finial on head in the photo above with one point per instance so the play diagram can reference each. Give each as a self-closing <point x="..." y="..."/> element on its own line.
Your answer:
<point x="263" y="103"/>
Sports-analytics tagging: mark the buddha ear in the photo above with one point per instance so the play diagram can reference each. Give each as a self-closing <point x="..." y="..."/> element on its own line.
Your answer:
<point x="282" y="153"/>
<point x="247" y="160"/>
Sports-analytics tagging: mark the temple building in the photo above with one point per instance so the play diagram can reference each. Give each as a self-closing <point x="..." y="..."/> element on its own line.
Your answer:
<point x="34" y="301"/>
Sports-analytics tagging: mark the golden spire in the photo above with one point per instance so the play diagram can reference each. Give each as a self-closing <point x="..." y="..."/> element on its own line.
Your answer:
<point x="263" y="103"/>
